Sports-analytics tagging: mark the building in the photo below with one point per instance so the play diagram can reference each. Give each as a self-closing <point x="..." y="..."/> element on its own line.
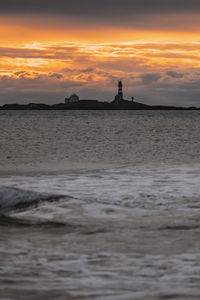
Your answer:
<point x="119" y="97"/>
<point x="120" y="90"/>
<point x="72" y="99"/>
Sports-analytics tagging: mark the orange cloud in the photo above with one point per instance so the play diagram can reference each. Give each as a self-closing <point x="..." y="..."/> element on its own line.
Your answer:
<point x="52" y="57"/>
<point x="61" y="59"/>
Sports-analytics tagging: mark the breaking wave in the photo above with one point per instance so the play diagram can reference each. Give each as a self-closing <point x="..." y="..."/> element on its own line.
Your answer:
<point x="15" y="198"/>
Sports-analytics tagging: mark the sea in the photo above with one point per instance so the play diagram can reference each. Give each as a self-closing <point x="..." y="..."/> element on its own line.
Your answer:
<point x="100" y="205"/>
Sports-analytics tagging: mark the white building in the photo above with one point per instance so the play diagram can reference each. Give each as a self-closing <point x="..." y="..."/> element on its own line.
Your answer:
<point x="73" y="98"/>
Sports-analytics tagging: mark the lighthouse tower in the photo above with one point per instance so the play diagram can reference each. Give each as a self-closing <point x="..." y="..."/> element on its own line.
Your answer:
<point x="120" y="90"/>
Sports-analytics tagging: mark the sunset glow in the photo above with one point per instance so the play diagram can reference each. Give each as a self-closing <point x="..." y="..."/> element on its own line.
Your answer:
<point x="65" y="57"/>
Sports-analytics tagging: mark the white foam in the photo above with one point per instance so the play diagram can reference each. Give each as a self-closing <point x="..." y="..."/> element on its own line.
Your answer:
<point x="158" y="189"/>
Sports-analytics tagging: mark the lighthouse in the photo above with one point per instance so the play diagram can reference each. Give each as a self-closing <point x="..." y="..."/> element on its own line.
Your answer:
<point x="120" y="90"/>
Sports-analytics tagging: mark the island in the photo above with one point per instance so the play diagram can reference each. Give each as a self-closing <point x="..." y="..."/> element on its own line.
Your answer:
<point x="74" y="103"/>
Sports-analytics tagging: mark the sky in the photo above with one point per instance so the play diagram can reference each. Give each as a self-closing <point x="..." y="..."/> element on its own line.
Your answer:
<point x="52" y="49"/>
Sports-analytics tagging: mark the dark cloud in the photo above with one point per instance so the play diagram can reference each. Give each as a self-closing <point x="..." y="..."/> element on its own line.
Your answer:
<point x="56" y="75"/>
<point x="96" y="9"/>
<point x="19" y="73"/>
<point x="150" y="78"/>
<point x="88" y="70"/>
<point x="39" y="83"/>
<point x="108" y="11"/>
<point x="174" y="74"/>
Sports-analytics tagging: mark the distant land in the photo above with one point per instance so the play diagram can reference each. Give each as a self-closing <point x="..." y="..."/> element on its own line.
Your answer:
<point x="73" y="103"/>
<point x="93" y="105"/>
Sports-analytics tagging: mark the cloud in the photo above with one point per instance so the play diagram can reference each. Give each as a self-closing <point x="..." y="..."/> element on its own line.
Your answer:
<point x="88" y="70"/>
<point x="148" y="14"/>
<point x="150" y="78"/>
<point x="174" y="74"/>
<point x="99" y="8"/>
<point x="93" y="70"/>
<point x="48" y="52"/>
<point x="56" y="75"/>
<point x="33" y="81"/>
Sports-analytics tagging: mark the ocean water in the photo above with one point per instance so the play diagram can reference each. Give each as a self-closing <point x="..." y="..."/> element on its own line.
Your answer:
<point x="100" y="205"/>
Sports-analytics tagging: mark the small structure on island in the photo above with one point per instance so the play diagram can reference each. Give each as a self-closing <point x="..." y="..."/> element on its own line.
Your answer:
<point x="72" y="99"/>
<point x="119" y="97"/>
<point x="120" y="90"/>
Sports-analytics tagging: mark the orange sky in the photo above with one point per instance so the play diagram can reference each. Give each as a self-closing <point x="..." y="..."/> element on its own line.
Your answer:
<point x="81" y="59"/>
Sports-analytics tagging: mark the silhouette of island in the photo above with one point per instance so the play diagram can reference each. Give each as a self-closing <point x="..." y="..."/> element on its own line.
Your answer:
<point x="74" y="103"/>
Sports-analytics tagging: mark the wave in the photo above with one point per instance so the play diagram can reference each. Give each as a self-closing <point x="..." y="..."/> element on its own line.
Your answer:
<point x="6" y="220"/>
<point x="15" y="198"/>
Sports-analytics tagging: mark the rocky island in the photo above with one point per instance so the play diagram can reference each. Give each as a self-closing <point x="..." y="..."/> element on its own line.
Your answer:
<point x="74" y="103"/>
